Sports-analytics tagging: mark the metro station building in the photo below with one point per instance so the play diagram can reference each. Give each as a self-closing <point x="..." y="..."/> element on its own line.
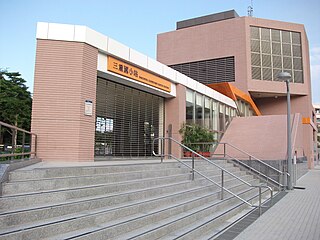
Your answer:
<point x="95" y="98"/>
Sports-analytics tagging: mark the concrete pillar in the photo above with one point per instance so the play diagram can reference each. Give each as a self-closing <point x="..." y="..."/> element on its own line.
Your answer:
<point x="175" y="114"/>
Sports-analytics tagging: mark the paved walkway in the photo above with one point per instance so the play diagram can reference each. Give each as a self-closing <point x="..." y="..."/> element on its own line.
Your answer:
<point x="294" y="217"/>
<point x="60" y="164"/>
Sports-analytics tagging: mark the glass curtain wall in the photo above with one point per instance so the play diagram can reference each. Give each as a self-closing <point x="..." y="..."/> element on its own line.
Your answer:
<point x="245" y="109"/>
<point x="207" y="115"/>
<point x="222" y="117"/>
<point x="199" y="109"/>
<point x="208" y="112"/>
<point x="189" y="106"/>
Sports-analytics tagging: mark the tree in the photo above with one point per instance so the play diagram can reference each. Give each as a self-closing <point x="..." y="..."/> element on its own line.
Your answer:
<point x="15" y="100"/>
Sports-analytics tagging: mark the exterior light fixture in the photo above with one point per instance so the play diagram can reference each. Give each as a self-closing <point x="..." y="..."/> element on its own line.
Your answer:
<point x="285" y="76"/>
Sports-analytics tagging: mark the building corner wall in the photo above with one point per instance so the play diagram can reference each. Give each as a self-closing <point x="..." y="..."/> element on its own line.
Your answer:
<point x="175" y="115"/>
<point x="65" y="76"/>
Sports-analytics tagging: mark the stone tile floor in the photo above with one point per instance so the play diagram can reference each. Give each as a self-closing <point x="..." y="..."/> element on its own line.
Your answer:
<point x="294" y="217"/>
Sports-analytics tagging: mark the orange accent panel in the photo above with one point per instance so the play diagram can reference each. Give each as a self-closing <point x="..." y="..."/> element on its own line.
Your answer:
<point x="224" y="88"/>
<point x="128" y="70"/>
<point x="234" y="93"/>
<point x="306" y="120"/>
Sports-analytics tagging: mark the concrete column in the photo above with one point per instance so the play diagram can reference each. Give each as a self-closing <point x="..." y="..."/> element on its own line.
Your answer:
<point x="175" y="114"/>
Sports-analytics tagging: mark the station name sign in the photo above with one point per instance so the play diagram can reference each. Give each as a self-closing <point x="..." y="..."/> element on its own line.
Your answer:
<point x="128" y="70"/>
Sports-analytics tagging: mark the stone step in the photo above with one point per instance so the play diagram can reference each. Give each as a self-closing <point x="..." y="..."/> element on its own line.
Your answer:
<point x="208" y="226"/>
<point x="40" y="212"/>
<point x="144" y="223"/>
<point x="138" y="216"/>
<point x="138" y="201"/>
<point x="43" y="173"/>
<point x="59" y="183"/>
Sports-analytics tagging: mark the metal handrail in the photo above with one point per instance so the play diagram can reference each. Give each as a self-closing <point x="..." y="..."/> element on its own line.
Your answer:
<point x="162" y="155"/>
<point x="255" y="158"/>
<point x="257" y="172"/>
<point x="15" y="131"/>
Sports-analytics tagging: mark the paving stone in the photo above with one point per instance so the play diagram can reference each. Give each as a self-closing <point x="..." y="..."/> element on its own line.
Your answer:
<point x="296" y="216"/>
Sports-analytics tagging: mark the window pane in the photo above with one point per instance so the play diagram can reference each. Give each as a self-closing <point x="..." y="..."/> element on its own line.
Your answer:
<point x="189" y="106"/>
<point x="221" y="117"/>
<point x="207" y="102"/>
<point x="199" y="108"/>
<point x="215" y="115"/>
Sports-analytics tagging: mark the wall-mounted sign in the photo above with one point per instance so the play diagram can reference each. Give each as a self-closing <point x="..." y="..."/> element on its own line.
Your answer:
<point x="88" y="108"/>
<point x="127" y="70"/>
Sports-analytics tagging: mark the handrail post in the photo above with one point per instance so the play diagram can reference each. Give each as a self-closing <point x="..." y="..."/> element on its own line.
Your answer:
<point x="260" y="208"/>
<point x="13" y="142"/>
<point x="35" y="145"/>
<point x="23" y="141"/>
<point x="192" y="173"/>
<point x="224" y="150"/>
<point x="162" y="149"/>
<point x="222" y="183"/>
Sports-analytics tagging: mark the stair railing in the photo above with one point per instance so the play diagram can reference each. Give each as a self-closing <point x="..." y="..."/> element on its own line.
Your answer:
<point x="282" y="175"/>
<point x="12" y="153"/>
<point x="162" y="155"/>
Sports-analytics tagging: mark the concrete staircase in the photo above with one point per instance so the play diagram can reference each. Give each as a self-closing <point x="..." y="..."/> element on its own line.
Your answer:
<point x="135" y="201"/>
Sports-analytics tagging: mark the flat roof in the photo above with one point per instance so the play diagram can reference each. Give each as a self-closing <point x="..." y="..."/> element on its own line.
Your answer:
<point x="109" y="47"/>
<point x="207" y="19"/>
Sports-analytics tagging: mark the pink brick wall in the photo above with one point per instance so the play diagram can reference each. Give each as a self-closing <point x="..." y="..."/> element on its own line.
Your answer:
<point x="232" y="38"/>
<point x="175" y="114"/>
<point x="207" y="41"/>
<point x="264" y="137"/>
<point x="65" y="76"/>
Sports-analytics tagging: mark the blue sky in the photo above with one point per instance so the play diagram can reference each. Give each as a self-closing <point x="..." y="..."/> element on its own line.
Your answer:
<point x="136" y="23"/>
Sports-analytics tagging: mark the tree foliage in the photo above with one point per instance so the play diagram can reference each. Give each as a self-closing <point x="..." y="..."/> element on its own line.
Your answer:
<point x="15" y="100"/>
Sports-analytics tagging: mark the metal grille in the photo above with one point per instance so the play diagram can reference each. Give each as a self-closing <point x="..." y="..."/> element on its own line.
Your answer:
<point x="287" y="64"/>
<point x="273" y="51"/>
<point x="285" y="37"/>
<point x="275" y="74"/>
<point x="286" y="49"/>
<point x="297" y="63"/>
<point x="255" y="46"/>
<point x="266" y="60"/>
<point x="298" y="76"/>
<point x="265" y="47"/>
<point x="127" y="120"/>
<point x="296" y="49"/>
<point x="265" y="34"/>
<point x="209" y="71"/>
<point x="296" y="38"/>
<point x="275" y="35"/>
<point x="276" y="48"/>
<point x="266" y="73"/>
<point x="256" y="73"/>
<point x="277" y="63"/>
<point x="255" y="33"/>
<point x="255" y="59"/>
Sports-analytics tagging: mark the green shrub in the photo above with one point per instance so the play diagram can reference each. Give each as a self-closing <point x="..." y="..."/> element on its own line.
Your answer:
<point x="193" y="134"/>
